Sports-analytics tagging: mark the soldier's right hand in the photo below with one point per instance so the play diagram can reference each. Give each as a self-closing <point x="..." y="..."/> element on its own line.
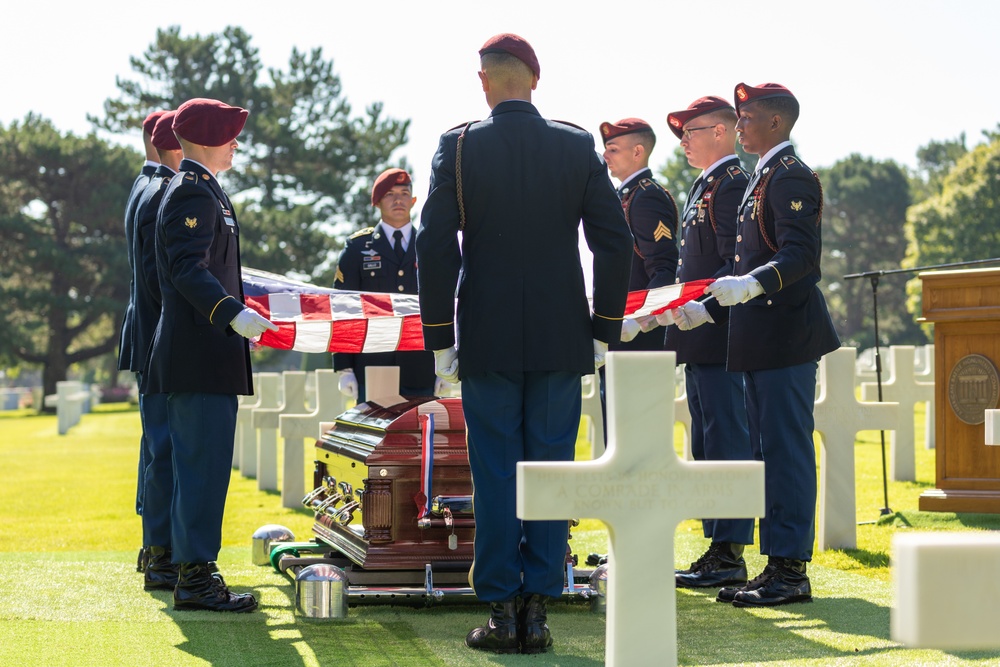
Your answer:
<point x="249" y="323"/>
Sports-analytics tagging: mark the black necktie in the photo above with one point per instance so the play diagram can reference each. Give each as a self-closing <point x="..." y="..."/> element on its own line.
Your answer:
<point x="398" y="243"/>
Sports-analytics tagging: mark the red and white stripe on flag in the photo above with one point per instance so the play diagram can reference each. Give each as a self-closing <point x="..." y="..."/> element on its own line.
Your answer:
<point x="317" y="319"/>
<point x="659" y="299"/>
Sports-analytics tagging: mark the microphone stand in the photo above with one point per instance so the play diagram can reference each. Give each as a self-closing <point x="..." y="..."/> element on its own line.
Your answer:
<point x="873" y="277"/>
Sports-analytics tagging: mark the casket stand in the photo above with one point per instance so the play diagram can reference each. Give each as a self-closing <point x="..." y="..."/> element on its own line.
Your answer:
<point x="374" y="473"/>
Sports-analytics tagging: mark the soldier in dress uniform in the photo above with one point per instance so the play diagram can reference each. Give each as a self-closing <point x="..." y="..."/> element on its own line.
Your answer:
<point x="652" y="216"/>
<point x="779" y="327"/>
<point x="501" y="223"/>
<point x="199" y="356"/>
<point x="130" y="358"/>
<point x="383" y="258"/>
<point x="707" y="132"/>
<point x="157" y="478"/>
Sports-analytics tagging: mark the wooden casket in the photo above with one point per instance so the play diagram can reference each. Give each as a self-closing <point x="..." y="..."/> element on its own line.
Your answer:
<point x="388" y="498"/>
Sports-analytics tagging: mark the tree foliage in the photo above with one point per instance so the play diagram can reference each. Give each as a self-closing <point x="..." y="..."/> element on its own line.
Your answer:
<point x="864" y="213"/>
<point x="306" y="162"/>
<point x="64" y="276"/>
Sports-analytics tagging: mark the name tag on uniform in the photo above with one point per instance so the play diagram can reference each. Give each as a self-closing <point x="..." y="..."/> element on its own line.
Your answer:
<point x="371" y="265"/>
<point x="228" y="215"/>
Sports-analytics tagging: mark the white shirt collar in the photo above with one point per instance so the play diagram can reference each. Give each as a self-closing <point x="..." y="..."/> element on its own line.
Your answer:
<point x="770" y="154"/>
<point x="629" y="179"/>
<point x="388" y="229"/>
<point x="715" y="164"/>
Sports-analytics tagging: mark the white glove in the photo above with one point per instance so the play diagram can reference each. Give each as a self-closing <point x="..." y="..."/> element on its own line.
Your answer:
<point x="630" y="329"/>
<point x="692" y="314"/>
<point x="446" y="364"/>
<point x="732" y="290"/>
<point x="666" y="318"/>
<point x="600" y="351"/>
<point x="249" y="324"/>
<point x="441" y="387"/>
<point x="647" y="323"/>
<point x="348" y="383"/>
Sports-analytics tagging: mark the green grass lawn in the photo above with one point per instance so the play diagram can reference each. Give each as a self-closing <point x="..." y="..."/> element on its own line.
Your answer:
<point x="69" y="593"/>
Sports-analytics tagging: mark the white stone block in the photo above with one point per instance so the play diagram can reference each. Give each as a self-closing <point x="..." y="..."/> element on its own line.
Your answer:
<point x="992" y="427"/>
<point x="947" y="590"/>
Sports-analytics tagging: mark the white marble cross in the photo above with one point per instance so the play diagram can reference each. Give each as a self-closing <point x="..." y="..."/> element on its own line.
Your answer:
<point x="641" y="490"/>
<point x="924" y="372"/>
<point x="266" y="388"/>
<point x="590" y="408"/>
<point x="265" y="421"/>
<point x="839" y="416"/>
<point x="301" y="431"/>
<point x="682" y="411"/>
<point x="903" y="388"/>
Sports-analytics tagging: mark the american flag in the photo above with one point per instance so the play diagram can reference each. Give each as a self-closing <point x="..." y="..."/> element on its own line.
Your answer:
<point x="322" y="319"/>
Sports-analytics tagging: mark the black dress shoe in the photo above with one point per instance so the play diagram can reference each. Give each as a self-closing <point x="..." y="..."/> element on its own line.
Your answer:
<point x="597" y="559"/>
<point x="788" y="583"/>
<point x="159" y="573"/>
<point x="721" y="565"/>
<point x="533" y="632"/>
<point x="140" y="561"/>
<point x="198" y="588"/>
<point x="499" y="635"/>
<point x="728" y="594"/>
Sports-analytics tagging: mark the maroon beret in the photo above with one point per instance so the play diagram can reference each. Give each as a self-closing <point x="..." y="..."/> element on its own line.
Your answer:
<point x="625" y="126"/>
<point x="386" y="180"/>
<point x="514" y="45"/>
<point x="150" y="122"/>
<point x="700" y="107"/>
<point x="209" y="122"/>
<point x="745" y="93"/>
<point x="163" y="133"/>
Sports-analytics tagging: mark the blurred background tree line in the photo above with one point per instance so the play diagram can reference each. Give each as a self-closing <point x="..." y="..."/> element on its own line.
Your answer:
<point x="301" y="182"/>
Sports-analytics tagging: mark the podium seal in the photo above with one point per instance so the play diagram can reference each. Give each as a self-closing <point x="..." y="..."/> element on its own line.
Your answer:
<point x="973" y="388"/>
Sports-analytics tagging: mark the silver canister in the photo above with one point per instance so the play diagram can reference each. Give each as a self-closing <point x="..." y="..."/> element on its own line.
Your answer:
<point x="264" y="538"/>
<point x="599" y="584"/>
<point x="321" y="592"/>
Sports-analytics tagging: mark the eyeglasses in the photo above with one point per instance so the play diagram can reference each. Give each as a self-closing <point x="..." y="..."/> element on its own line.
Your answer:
<point x="687" y="132"/>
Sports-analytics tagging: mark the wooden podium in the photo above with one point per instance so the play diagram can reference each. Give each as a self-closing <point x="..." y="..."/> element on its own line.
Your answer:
<point x="965" y="308"/>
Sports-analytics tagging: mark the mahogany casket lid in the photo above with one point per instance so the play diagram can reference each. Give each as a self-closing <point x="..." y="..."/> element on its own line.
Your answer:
<point x="370" y="431"/>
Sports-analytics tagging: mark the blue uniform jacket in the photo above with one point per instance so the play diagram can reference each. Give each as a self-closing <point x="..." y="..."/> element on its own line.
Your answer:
<point x="708" y="243"/>
<point x="146" y="309"/>
<point x="652" y="217"/>
<point x="130" y="358"/>
<point x="779" y="242"/>
<point x="201" y="286"/>
<point x="522" y="305"/>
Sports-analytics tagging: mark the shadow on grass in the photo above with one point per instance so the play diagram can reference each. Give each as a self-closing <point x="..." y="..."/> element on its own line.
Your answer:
<point x="274" y="635"/>
<point x="826" y="629"/>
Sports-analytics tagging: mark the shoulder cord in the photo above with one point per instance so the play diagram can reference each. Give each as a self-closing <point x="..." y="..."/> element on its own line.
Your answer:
<point x="458" y="176"/>
<point x="759" y="203"/>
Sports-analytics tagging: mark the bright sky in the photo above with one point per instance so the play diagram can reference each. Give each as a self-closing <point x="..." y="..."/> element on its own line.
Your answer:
<point x="880" y="78"/>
